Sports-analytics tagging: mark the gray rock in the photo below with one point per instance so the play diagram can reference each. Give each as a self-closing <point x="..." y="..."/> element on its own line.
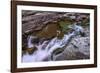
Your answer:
<point x="78" y="48"/>
<point x="28" y="12"/>
<point x="38" y="21"/>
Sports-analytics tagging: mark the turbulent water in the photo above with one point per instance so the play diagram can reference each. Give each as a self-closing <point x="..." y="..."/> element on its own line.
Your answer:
<point x="46" y="49"/>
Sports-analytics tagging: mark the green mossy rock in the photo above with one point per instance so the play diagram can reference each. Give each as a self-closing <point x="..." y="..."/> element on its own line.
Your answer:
<point x="64" y="25"/>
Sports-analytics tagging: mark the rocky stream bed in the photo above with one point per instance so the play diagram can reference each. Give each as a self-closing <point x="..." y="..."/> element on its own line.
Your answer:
<point x="55" y="36"/>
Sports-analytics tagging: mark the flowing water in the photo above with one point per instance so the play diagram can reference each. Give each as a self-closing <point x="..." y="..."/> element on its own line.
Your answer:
<point x="46" y="49"/>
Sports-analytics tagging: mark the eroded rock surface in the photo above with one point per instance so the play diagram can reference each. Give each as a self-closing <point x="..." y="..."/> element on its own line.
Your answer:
<point x="45" y="26"/>
<point x="78" y="48"/>
<point x="38" y="21"/>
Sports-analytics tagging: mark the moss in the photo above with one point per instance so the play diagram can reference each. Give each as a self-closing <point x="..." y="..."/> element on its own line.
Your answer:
<point x="64" y="25"/>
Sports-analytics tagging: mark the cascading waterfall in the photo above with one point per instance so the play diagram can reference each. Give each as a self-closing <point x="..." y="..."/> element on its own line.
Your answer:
<point x="45" y="50"/>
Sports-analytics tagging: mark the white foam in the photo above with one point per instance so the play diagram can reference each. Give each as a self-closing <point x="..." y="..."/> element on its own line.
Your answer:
<point x="44" y="52"/>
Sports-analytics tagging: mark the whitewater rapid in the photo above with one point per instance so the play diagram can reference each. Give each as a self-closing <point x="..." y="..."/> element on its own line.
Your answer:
<point x="44" y="51"/>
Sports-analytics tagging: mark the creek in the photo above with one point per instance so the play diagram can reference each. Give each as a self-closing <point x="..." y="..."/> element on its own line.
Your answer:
<point x="46" y="49"/>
